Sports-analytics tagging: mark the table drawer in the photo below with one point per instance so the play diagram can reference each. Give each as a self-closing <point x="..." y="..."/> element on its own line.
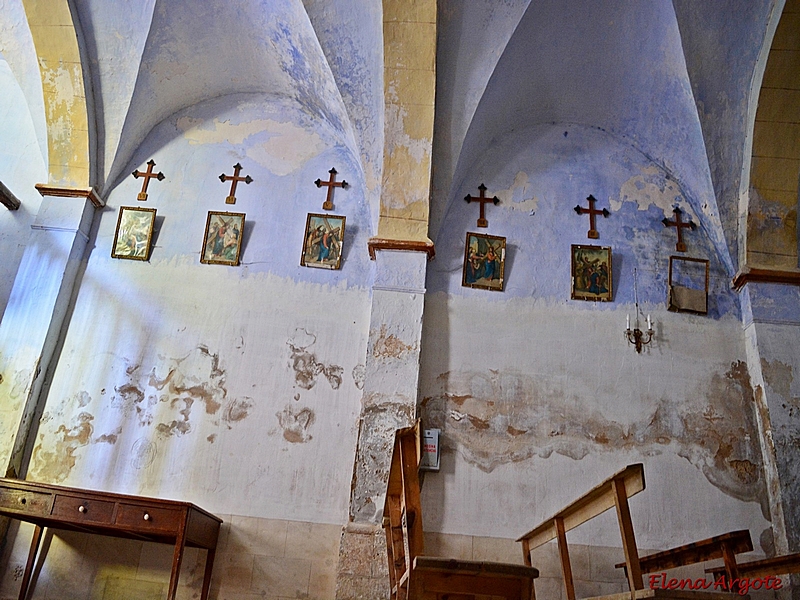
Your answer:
<point x="140" y="517"/>
<point x="26" y="501"/>
<point x="81" y="510"/>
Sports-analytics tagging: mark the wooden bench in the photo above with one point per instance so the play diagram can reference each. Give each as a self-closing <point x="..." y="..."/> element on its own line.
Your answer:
<point x="725" y="546"/>
<point x="778" y="565"/>
<point x="413" y="576"/>
<point x="614" y="493"/>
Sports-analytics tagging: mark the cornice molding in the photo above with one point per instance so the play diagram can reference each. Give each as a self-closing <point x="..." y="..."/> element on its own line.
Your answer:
<point x="64" y="192"/>
<point x="747" y="275"/>
<point x="376" y="244"/>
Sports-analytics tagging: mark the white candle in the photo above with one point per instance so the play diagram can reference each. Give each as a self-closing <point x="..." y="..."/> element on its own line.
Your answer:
<point x="649" y="324"/>
<point x="627" y="321"/>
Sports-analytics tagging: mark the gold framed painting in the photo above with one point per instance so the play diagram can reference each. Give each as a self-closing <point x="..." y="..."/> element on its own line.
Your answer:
<point x="134" y="233"/>
<point x="222" y="242"/>
<point x="323" y="241"/>
<point x="484" y="262"/>
<point x="591" y="273"/>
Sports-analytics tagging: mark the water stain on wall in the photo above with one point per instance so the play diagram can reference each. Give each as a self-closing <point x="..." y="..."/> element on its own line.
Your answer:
<point x="494" y="417"/>
<point x="55" y="462"/>
<point x="177" y="384"/>
<point x="296" y="423"/>
<point x="780" y="376"/>
<point x="389" y="345"/>
<point x="305" y="365"/>
<point x="180" y="426"/>
<point x="359" y="376"/>
<point x="237" y="410"/>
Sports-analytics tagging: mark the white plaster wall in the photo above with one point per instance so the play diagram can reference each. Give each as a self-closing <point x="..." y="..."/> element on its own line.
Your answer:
<point x="236" y="388"/>
<point x="21" y="167"/>
<point x="539" y="401"/>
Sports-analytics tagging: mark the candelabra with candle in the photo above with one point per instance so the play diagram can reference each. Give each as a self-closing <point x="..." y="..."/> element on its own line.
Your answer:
<point x="636" y="336"/>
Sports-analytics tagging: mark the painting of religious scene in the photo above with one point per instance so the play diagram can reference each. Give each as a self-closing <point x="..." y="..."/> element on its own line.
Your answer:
<point x="323" y="242"/>
<point x="484" y="262"/>
<point x="134" y="233"/>
<point x="222" y="242"/>
<point x="591" y="273"/>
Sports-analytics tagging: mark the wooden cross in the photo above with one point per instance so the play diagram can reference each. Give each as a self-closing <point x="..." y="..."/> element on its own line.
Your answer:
<point x="679" y="224"/>
<point x="234" y="179"/>
<point x="331" y="183"/>
<point x="592" y="211"/>
<point x="148" y="175"/>
<point x="482" y="222"/>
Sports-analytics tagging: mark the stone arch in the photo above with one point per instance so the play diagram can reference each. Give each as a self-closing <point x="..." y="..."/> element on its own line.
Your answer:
<point x="771" y="240"/>
<point x="56" y="39"/>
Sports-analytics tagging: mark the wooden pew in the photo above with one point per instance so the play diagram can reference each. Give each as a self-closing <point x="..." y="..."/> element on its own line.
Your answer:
<point x="614" y="493"/>
<point x="778" y="565"/>
<point x="725" y="546"/>
<point x="414" y="576"/>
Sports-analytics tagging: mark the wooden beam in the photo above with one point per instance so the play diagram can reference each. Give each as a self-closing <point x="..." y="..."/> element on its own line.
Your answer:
<point x="748" y="275"/>
<point x="563" y="555"/>
<point x="8" y="199"/>
<point x="628" y="539"/>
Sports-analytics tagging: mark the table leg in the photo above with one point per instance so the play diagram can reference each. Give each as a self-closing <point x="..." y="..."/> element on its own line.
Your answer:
<point x="177" y="557"/>
<point x="207" y="576"/>
<point x="26" y="577"/>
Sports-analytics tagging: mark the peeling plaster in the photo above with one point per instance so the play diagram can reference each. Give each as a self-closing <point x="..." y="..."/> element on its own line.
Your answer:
<point x="520" y="195"/>
<point x="779" y="376"/>
<point x="492" y="418"/>
<point x="296" y="424"/>
<point x="389" y="346"/>
<point x="281" y="147"/>
<point x="359" y="374"/>
<point x="55" y="465"/>
<point x="651" y="187"/>
<point x="305" y="365"/>
<point x="236" y="410"/>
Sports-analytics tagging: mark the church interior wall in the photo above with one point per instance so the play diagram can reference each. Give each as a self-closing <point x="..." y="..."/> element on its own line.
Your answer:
<point x="24" y="166"/>
<point x="528" y="385"/>
<point x="244" y="389"/>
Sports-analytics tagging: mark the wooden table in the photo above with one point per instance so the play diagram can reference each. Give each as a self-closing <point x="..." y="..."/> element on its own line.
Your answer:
<point x="104" y="513"/>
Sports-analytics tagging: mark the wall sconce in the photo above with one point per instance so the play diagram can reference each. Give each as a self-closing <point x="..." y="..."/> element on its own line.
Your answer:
<point x="636" y="336"/>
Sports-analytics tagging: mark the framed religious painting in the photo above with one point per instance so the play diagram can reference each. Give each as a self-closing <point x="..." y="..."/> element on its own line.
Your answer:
<point x="222" y="242"/>
<point x="134" y="233"/>
<point x="323" y="241"/>
<point x="484" y="262"/>
<point x="591" y="273"/>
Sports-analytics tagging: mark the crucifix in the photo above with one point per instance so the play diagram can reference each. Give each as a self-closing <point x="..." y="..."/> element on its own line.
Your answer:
<point x="142" y="196"/>
<point x="482" y="222"/>
<point x="330" y="184"/>
<point x="679" y="224"/>
<point x="592" y="211"/>
<point x="234" y="179"/>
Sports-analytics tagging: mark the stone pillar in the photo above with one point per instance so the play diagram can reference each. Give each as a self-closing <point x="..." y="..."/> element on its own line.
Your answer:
<point x="772" y="337"/>
<point x="389" y="403"/>
<point x="33" y="320"/>
<point x="401" y="250"/>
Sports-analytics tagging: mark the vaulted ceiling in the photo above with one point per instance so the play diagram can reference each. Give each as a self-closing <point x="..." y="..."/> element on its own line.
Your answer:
<point x="671" y="79"/>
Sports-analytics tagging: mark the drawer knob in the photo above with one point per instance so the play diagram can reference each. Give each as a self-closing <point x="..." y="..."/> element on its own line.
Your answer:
<point x="23" y="500"/>
<point x="146" y="516"/>
<point x="81" y="509"/>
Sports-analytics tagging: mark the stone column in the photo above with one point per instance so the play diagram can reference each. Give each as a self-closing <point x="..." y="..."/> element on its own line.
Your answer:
<point x="35" y="316"/>
<point x="401" y="250"/>
<point x="389" y="403"/>
<point x="772" y="337"/>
